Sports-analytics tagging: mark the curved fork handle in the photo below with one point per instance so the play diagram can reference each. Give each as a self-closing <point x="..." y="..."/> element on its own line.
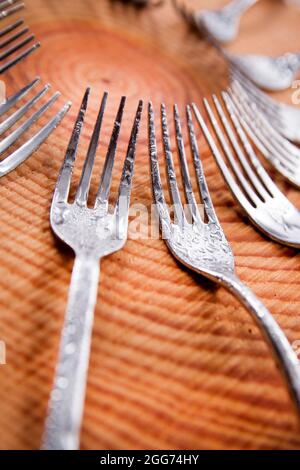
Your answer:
<point x="283" y="351"/>
<point x="62" y="430"/>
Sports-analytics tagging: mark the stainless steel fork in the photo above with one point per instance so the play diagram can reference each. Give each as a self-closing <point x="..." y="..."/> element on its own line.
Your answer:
<point x="14" y="159"/>
<point x="284" y="118"/>
<point x="279" y="151"/>
<point x="92" y="234"/>
<point x="222" y="24"/>
<point x="202" y="246"/>
<point x="8" y="58"/>
<point x="264" y="203"/>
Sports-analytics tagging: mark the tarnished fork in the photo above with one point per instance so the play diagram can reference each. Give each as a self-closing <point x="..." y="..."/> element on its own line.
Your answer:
<point x="201" y="245"/>
<point x="14" y="159"/>
<point x="92" y="234"/>
<point x="265" y="205"/>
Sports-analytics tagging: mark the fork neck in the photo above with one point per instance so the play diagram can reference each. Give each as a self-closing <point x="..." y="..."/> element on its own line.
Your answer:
<point x="282" y="350"/>
<point x="238" y="7"/>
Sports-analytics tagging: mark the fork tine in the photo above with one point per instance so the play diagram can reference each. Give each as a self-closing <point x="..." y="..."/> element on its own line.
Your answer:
<point x="85" y="180"/>
<point x="172" y="180"/>
<point x="232" y="161"/>
<point x="278" y="143"/>
<point x="11" y="11"/>
<point x="104" y="187"/>
<point x="62" y="187"/>
<point x="10" y="27"/>
<point x="11" y="138"/>
<point x="13" y="37"/>
<point x="157" y="189"/>
<point x="272" y="188"/>
<point x="11" y="120"/>
<point x="12" y="100"/>
<point x="241" y="157"/>
<point x="127" y="173"/>
<point x="18" y="59"/>
<point x="283" y="161"/>
<point x="235" y="189"/>
<point x="201" y="180"/>
<point x="184" y="169"/>
<point x="16" y="47"/>
<point x="7" y="3"/>
<point x="22" y="153"/>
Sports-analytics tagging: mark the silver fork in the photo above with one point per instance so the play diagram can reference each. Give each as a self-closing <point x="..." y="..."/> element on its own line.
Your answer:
<point x="222" y="24"/>
<point x="92" y="234"/>
<point x="284" y="118"/>
<point x="280" y="152"/>
<point x="265" y="205"/>
<point x="202" y="246"/>
<point x="19" y="155"/>
<point x="270" y="73"/>
<point x="15" y="45"/>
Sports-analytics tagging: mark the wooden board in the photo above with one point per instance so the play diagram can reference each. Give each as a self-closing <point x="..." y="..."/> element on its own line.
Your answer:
<point x="176" y="363"/>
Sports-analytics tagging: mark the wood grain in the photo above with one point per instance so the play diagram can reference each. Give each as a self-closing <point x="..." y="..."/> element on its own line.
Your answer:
<point x="176" y="362"/>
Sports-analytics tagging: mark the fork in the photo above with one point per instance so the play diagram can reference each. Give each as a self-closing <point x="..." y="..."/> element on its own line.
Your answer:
<point x="285" y="119"/>
<point x="270" y="73"/>
<point x="10" y="51"/>
<point x="19" y="155"/>
<point x="202" y="246"/>
<point x="222" y="24"/>
<point x="92" y="234"/>
<point x="264" y="203"/>
<point x="282" y="154"/>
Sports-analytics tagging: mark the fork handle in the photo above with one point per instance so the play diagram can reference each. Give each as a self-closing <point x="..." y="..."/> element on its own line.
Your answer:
<point x="283" y="352"/>
<point x="62" y="429"/>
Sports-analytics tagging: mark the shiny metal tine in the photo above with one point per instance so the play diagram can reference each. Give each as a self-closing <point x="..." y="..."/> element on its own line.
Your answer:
<point x="7" y="65"/>
<point x="264" y="129"/>
<point x="271" y="187"/>
<point x="232" y="161"/>
<point x="287" y="161"/>
<point x="14" y="37"/>
<point x="85" y="180"/>
<point x="171" y="174"/>
<point x="127" y="173"/>
<point x="11" y="11"/>
<point x="193" y="208"/>
<point x="16" y="47"/>
<point x="23" y="152"/>
<point x="12" y="100"/>
<point x="256" y="183"/>
<point x="157" y="189"/>
<point x="10" y="28"/>
<point x="7" y="3"/>
<point x="204" y="192"/>
<point x="104" y="186"/>
<point x="12" y="138"/>
<point x="13" y="118"/>
<point x="234" y="187"/>
<point x="254" y="91"/>
<point x="62" y="187"/>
